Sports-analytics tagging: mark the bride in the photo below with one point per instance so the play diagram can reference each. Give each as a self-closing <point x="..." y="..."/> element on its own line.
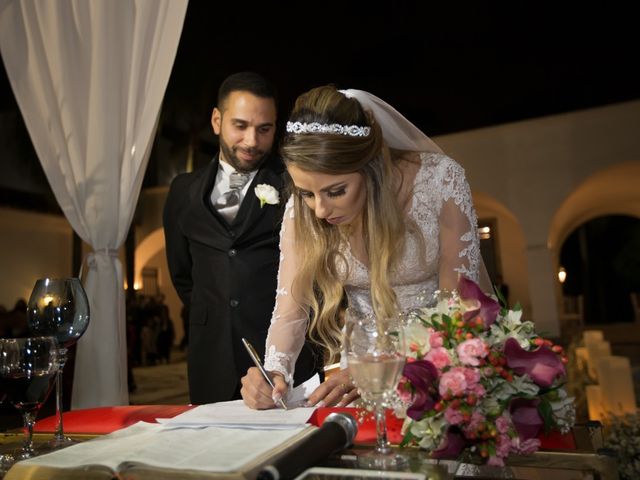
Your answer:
<point x="378" y="214"/>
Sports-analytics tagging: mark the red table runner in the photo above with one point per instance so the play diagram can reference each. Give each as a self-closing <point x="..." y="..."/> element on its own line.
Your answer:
<point x="367" y="430"/>
<point x="103" y="420"/>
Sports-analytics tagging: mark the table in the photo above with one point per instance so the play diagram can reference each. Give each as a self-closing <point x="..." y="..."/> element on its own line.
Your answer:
<point x="585" y="458"/>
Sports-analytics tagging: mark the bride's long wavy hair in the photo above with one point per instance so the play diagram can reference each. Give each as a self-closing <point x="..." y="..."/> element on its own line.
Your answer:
<point x="321" y="274"/>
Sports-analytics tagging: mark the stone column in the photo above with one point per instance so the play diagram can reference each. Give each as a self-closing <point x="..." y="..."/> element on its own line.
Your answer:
<point x="542" y="291"/>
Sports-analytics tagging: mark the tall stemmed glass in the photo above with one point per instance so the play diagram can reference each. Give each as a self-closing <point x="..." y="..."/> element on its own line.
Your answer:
<point x="59" y="307"/>
<point x="6" y="460"/>
<point x="376" y="355"/>
<point x="27" y="371"/>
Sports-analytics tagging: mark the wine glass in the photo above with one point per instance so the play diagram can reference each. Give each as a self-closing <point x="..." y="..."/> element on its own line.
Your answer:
<point x="27" y="371"/>
<point x="6" y="460"/>
<point x="375" y="356"/>
<point x="59" y="307"/>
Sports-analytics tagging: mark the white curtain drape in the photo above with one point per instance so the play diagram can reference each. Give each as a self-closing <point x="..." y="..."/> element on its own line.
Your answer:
<point x="89" y="77"/>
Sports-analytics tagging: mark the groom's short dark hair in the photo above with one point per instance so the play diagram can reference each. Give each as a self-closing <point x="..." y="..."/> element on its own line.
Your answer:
<point x="247" y="82"/>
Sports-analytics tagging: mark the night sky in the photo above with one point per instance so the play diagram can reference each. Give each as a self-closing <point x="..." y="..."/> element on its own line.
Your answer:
<point x="447" y="66"/>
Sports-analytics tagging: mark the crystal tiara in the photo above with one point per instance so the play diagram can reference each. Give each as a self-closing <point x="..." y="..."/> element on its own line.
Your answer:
<point x="315" y="127"/>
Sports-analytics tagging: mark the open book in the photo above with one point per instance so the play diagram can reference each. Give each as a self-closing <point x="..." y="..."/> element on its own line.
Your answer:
<point x="152" y="451"/>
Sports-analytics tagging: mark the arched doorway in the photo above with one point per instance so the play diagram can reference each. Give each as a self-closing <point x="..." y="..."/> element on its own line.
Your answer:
<point x="150" y="259"/>
<point x="601" y="260"/>
<point x="596" y="213"/>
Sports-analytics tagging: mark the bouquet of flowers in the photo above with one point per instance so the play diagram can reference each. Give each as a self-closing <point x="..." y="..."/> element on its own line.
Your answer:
<point x="479" y="380"/>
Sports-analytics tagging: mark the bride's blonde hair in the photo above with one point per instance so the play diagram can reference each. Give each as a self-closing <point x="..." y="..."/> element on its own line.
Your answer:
<point x="322" y="267"/>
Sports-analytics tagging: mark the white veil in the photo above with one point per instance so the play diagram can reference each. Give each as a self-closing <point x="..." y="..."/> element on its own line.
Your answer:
<point x="399" y="133"/>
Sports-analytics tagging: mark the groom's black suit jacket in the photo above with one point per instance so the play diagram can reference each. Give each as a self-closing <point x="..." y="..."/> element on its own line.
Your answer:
<point x="226" y="275"/>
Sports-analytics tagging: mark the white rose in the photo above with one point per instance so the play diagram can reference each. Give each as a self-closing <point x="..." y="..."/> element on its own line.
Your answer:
<point x="267" y="194"/>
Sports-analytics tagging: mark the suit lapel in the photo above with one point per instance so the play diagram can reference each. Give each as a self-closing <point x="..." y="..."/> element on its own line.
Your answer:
<point x="250" y="211"/>
<point x="207" y="224"/>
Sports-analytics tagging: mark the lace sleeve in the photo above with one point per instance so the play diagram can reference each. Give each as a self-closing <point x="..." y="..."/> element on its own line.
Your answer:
<point x="289" y="320"/>
<point x="459" y="242"/>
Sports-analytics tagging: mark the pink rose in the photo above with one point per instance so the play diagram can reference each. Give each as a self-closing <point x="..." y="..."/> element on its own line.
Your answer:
<point x="453" y="416"/>
<point x="439" y="357"/>
<point x="503" y="424"/>
<point x="503" y="445"/>
<point x="453" y="382"/>
<point x="472" y="375"/>
<point x="479" y="390"/>
<point x="474" y="422"/>
<point x="435" y="339"/>
<point x="470" y="351"/>
<point x="526" y="447"/>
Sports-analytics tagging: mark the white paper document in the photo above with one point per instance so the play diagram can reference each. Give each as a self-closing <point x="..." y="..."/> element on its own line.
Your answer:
<point x="298" y="396"/>
<point x="235" y="414"/>
<point x="210" y="449"/>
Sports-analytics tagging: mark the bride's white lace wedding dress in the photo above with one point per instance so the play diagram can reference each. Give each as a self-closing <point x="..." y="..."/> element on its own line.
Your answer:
<point x="441" y="209"/>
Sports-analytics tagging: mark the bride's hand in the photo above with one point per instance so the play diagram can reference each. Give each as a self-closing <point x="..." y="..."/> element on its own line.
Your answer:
<point x="258" y="394"/>
<point x="338" y="391"/>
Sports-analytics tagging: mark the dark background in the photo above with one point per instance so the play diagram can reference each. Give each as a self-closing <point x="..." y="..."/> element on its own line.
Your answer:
<point x="447" y="66"/>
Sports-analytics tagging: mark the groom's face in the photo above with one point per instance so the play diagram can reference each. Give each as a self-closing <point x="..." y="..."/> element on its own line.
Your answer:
<point x="246" y="125"/>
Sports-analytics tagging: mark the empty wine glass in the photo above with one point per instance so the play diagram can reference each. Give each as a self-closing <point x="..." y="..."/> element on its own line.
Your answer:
<point x="27" y="371"/>
<point x="59" y="307"/>
<point x="375" y="356"/>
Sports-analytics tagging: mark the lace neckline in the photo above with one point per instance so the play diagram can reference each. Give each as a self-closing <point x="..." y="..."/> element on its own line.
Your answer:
<point x="408" y="213"/>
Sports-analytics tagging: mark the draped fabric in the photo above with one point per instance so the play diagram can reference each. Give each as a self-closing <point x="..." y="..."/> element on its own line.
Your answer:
<point x="89" y="77"/>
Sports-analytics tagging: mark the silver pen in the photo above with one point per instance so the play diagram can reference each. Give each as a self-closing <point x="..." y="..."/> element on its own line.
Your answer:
<point x="254" y="356"/>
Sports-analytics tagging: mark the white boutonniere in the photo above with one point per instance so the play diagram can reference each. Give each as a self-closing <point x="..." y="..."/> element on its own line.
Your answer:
<point x="267" y="194"/>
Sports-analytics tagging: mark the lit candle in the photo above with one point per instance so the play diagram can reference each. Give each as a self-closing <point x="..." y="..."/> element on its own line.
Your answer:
<point x="591" y="335"/>
<point x="594" y="402"/>
<point x="582" y="357"/>
<point x="616" y="385"/>
<point x="596" y="349"/>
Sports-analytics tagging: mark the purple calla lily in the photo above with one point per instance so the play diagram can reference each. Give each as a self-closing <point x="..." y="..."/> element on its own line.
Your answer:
<point x="489" y="308"/>
<point x="451" y="447"/>
<point x="422" y="374"/>
<point x="526" y="417"/>
<point x="541" y="365"/>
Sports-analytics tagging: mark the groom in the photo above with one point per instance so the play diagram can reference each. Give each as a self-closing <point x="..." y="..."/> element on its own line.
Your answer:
<point x="222" y="245"/>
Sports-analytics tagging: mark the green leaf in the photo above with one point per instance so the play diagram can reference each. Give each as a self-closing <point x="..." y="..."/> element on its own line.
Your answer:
<point x="501" y="299"/>
<point x="408" y="436"/>
<point x="546" y="412"/>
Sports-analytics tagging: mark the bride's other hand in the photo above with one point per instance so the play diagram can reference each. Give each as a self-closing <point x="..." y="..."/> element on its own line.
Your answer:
<point x="338" y="391"/>
<point x="258" y="394"/>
